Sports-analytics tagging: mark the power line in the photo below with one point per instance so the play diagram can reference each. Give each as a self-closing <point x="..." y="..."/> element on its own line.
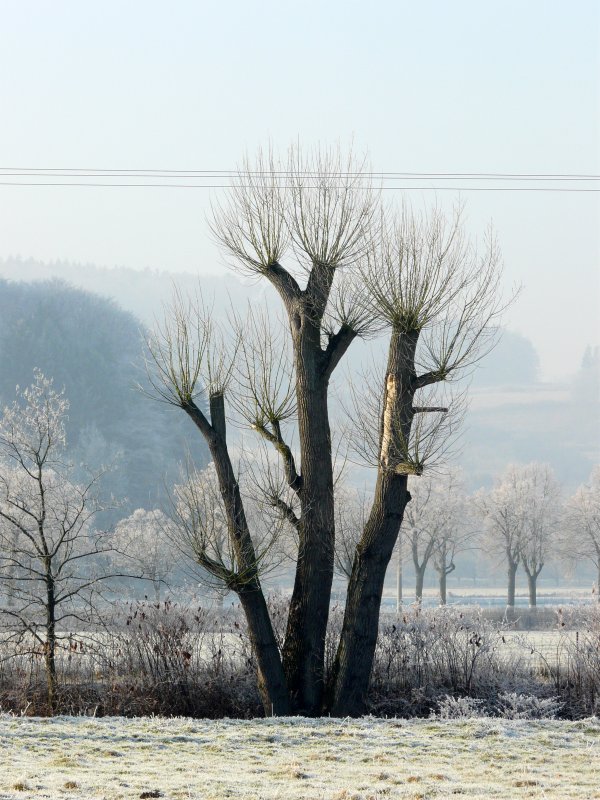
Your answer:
<point x="228" y="186"/>
<point x="229" y="174"/>
<point x="208" y="179"/>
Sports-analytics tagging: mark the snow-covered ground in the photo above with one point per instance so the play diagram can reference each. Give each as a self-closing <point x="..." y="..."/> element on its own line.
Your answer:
<point x="111" y="758"/>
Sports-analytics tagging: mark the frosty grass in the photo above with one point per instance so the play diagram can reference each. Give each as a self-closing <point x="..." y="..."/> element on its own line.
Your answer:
<point x="79" y="757"/>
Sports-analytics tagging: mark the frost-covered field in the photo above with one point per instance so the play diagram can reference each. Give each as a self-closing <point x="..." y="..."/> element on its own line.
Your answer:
<point x="68" y="757"/>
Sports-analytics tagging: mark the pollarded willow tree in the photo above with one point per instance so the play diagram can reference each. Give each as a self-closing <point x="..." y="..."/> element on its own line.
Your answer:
<point x="343" y="267"/>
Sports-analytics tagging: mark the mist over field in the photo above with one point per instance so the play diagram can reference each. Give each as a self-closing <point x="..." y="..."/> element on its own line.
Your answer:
<point x="85" y="326"/>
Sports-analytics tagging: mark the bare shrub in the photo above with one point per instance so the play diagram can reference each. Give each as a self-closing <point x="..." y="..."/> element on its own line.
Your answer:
<point x="425" y="655"/>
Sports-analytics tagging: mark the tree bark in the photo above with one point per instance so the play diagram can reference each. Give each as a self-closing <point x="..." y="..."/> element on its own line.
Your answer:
<point x="271" y="677"/>
<point x="50" y="646"/>
<point x="304" y="648"/>
<point x="351" y="672"/>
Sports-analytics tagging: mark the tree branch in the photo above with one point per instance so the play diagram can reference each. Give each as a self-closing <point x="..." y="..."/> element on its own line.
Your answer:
<point x="336" y="347"/>
<point x="292" y="477"/>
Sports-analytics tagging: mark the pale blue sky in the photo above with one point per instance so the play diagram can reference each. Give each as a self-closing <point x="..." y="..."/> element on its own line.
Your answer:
<point x="457" y="86"/>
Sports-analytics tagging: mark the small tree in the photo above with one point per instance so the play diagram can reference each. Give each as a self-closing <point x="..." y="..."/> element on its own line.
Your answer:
<point x="500" y="511"/>
<point x="539" y="496"/>
<point x="455" y="531"/>
<point x="437" y="527"/>
<point x="583" y="523"/>
<point x="522" y="513"/>
<point x="143" y="543"/>
<point x="49" y="551"/>
<point x="420" y="530"/>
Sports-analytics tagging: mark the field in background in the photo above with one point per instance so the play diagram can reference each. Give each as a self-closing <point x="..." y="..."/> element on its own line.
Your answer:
<point x="329" y="759"/>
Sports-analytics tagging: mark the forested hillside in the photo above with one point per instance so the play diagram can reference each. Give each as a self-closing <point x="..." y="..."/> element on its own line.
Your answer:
<point x="93" y="348"/>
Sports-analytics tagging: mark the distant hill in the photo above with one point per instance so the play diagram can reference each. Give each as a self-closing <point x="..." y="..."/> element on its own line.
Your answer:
<point x="93" y="348"/>
<point x="513" y="417"/>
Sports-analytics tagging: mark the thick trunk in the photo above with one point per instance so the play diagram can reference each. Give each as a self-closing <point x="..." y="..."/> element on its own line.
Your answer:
<point x="354" y="659"/>
<point x="532" y="585"/>
<point x="351" y="672"/>
<point x="271" y="677"/>
<point x="598" y="582"/>
<point x="304" y="648"/>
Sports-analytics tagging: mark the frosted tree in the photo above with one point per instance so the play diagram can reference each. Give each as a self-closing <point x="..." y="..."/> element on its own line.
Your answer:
<point x="49" y="549"/>
<point x="437" y="527"/>
<point x="522" y="515"/>
<point x="143" y="542"/>
<point x="419" y="531"/>
<point x="582" y="523"/>
<point x="540" y="512"/>
<point x="455" y="531"/>
<point x="500" y="511"/>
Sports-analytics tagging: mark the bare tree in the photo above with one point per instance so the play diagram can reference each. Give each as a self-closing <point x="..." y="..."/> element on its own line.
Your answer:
<point x="539" y="497"/>
<point x="347" y="273"/>
<point x="49" y="550"/>
<point x="500" y="510"/>
<point x="455" y="529"/>
<point x="583" y="523"/>
<point x="351" y="510"/>
<point x="420" y="531"/>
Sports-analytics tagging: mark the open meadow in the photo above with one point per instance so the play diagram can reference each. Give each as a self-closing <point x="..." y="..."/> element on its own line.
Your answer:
<point x="334" y="759"/>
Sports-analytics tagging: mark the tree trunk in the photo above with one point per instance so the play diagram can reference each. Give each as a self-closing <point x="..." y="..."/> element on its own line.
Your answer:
<point x="50" y="646"/>
<point x="420" y="578"/>
<point x="598" y="582"/>
<point x="271" y="677"/>
<point x="354" y="658"/>
<point x="532" y="585"/>
<point x="304" y="648"/>
<point x="443" y="583"/>
<point x="399" y="576"/>
<point x="512" y="578"/>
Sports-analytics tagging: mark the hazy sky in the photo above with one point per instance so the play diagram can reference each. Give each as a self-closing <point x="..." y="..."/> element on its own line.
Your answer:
<point x="457" y="86"/>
